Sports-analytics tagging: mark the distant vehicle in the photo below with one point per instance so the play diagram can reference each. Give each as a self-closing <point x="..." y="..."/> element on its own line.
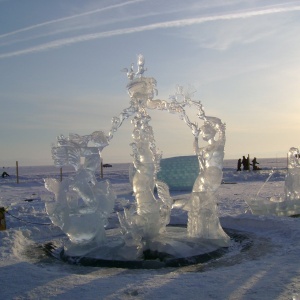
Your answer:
<point x="107" y="166"/>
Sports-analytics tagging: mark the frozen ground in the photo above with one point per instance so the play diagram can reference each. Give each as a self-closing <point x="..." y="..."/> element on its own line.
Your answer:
<point x="263" y="264"/>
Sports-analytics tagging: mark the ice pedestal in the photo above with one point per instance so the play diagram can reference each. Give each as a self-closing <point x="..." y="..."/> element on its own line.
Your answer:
<point x="171" y="249"/>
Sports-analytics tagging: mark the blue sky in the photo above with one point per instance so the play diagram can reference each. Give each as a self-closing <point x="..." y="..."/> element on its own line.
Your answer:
<point x="60" y="63"/>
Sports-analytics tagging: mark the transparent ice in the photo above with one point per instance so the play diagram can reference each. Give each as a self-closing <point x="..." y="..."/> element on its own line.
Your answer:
<point x="82" y="204"/>
<point x="287" y="204"/>
<point x="292" y="180"/>
<point x="203" y="221"/>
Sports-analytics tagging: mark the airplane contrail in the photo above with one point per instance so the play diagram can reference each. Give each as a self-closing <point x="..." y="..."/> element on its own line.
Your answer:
<point x="170" y="24"/>
<point x="69" y="18"/>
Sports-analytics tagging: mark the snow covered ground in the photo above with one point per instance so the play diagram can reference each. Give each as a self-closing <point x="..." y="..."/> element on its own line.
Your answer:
<point x="263" y="264"/>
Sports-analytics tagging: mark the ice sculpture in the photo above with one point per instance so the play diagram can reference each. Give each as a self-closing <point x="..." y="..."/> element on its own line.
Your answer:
<point x="282" y="205"/>
<point x="203" y="220"/>
<point x="82" y="204"/>
<point x="292" y="180"/>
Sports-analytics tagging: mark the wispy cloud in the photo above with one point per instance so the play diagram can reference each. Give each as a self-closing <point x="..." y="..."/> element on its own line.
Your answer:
<point x="170" y="24"/>
<point x="81" y="26"/>
<point x="69" y="18"/>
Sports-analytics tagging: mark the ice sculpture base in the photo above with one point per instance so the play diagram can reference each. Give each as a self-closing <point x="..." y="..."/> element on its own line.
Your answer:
<point x="171" y="249"/>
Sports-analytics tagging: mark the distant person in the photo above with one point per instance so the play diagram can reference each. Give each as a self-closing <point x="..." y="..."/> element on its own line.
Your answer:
<point x="245" y="163"/>
<point x="254" y="164"/>
<point x="248" y="162"/>
<point x="239" y="165"/>
<point x="4" y="174"/>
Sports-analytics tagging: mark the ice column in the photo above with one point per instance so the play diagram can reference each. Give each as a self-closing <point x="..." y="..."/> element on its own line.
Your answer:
<point x="150" y="215"/>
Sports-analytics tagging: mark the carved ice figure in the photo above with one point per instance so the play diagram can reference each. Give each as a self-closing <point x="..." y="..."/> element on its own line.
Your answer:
<point x="292" y="180"/>
<point x="82" y="204"/>
<point x="287" y="204"/>
<point x="142" y="222"/>
<point x="149" y="216"/>
<point x="203" y="220"/>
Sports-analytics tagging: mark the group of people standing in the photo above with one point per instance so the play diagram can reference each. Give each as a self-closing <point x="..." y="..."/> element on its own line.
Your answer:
<point x="246" y="164"/>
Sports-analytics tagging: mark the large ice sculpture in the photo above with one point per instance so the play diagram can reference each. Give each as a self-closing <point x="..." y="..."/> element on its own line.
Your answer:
<point x="282" y="205"/>
<point x="151" y="217"/>
<point x="82" y="204"/>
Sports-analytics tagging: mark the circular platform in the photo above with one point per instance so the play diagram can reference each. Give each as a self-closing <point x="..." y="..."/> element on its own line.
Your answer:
<point x="153" y="259"/>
